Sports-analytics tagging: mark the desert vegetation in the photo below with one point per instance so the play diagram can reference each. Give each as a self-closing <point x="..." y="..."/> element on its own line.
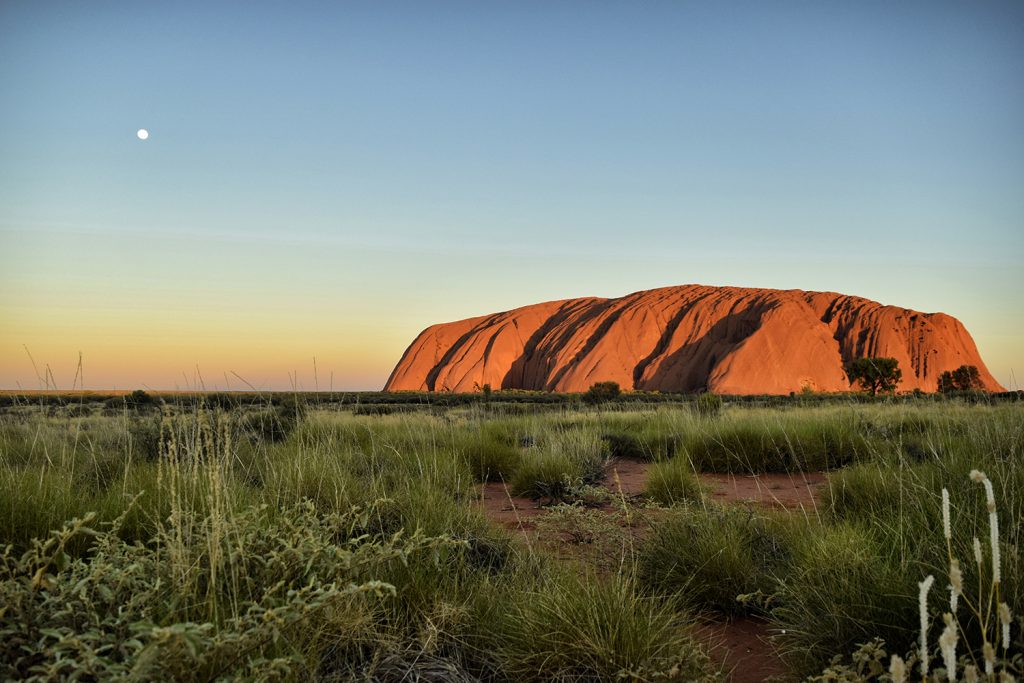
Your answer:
<point x="287" y="537"/>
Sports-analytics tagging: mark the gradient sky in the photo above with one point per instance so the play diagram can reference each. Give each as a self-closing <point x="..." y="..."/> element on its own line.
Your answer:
<point x="326" y="179"/>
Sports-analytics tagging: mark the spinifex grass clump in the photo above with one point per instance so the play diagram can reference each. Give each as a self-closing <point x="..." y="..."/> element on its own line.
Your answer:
<point x="841" y="586"/>
<point x="645" y="435"/>
<point x="776" y="441"/>
<point x="673" y="481"/>
<point x="708" y="404"/>
<point x="717" y="558"/>
<point x="488" y="457"/>
<point x="581" y="628"/>
<point x="563" y="462"/>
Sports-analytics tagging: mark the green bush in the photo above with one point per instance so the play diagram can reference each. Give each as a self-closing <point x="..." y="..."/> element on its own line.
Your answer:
<point x="625" y="445"/>
<point x="139" y="399"/>
<point x="274" y="424"/>
<point x="567" y="461"/>
<point x="145" y="438"/>
<point x="776" y="443"/>
<point x="602" y="392"/>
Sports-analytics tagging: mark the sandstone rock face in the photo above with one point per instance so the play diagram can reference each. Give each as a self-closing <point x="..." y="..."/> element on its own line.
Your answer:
<point x="690" y="338"/>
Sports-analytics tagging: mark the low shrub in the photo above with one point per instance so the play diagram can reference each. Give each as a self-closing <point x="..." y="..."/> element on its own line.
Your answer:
<point x="271" y="425"/>
<point x="568" y="460"/>
<point x="145" y="438"/>
<point x="602" y="392"/>
<point x="626" y="446"/>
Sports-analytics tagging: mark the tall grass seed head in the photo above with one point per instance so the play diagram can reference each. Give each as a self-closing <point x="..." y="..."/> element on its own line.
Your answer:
<point x="947" y="529"/>
<point x="956" y="584"/>
<point x="947" y="645"/>
<point x="922" y="603"/>
<point x="898" y="669"/>
<point x="1004" y="620"/>
<point x="993" y="538"/>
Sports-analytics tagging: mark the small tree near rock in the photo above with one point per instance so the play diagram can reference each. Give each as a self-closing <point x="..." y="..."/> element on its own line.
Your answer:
<point x="964" y="378"/>
<point x="708" y="404"/>
<point x="602" y="392"/>
<point x="139" y="399"/>
<point x="875" y="374"/>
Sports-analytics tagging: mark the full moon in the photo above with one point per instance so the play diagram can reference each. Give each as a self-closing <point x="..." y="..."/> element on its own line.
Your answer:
<point x="143" y="133"/>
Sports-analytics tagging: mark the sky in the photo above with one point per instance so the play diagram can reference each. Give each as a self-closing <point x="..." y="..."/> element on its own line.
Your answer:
<point x="324" y="180"/>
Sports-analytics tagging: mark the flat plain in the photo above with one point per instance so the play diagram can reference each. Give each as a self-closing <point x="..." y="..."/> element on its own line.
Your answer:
<point x="290" y="536"/>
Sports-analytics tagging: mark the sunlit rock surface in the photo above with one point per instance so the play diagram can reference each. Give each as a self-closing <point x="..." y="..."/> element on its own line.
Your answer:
<point x="690" y="338"/>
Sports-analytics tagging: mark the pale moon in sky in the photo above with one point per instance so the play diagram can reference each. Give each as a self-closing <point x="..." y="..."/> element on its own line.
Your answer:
<point x="143" y="133"/>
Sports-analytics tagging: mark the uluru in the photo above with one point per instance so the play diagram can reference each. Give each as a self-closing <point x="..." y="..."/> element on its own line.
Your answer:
<point x="689" y="338"/>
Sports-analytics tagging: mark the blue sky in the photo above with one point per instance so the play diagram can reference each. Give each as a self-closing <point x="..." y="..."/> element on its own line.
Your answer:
<point x="325" y="179"/>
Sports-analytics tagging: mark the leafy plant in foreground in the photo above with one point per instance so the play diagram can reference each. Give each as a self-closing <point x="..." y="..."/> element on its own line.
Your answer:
<point x="258" y="595"/>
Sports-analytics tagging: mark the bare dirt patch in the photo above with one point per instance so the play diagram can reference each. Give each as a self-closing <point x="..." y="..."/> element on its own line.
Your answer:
<point x="628" y="476"/>
<point x="512" y="512"/>
<point x="793" y="491"/>
<point x="743" y="647"/>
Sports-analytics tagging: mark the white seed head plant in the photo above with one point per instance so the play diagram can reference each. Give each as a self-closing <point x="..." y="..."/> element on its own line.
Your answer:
<point x="922" y="604"/>
<point x="947" y="527"/>
<point x="947" y="645"/>
<point x="898" y="669"/>
<point x="956" y="584"/>
<point x="993" y="522"/>
<point x="1004" y="620"/>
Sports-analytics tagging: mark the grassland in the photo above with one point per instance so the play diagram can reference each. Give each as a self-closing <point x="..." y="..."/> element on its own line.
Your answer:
<point x="287" y="537"/>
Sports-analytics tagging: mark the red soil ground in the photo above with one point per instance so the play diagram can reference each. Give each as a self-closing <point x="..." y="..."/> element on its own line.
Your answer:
<point x="742" y="646"/>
